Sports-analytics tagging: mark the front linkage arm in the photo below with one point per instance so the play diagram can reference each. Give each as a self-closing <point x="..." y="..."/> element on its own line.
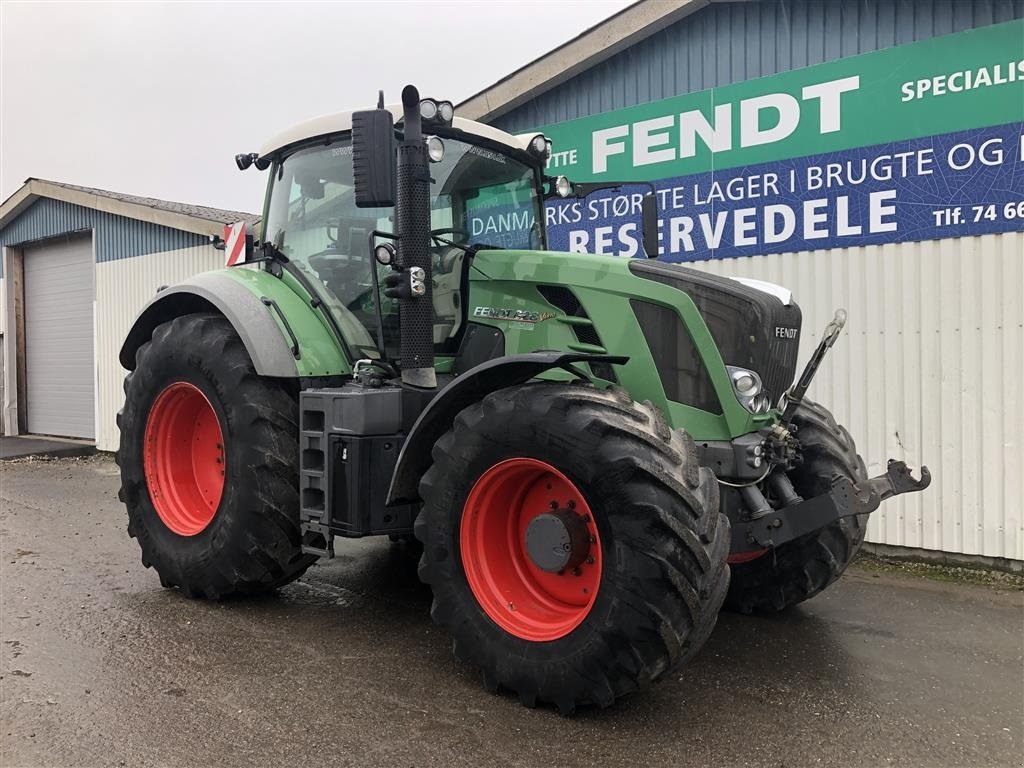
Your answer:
<point x="845" y="499"/>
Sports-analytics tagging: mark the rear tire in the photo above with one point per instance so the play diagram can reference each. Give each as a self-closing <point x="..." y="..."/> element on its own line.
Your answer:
<point x="800" y="569"/>
<point x="251" y="541"/>
<point x="658" y="538"/>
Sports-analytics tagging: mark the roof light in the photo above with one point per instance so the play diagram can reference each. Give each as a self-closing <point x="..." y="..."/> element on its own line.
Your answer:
<point x="446" y="111"/>
<point x="539" y="144"/>
<point x="428" y="109"/>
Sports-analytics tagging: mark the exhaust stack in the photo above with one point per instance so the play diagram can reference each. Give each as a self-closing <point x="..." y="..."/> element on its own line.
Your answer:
<point x="412" y="218"/>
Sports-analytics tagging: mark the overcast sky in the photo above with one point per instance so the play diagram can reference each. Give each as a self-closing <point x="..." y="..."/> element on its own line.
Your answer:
<point x="155" y="99"/>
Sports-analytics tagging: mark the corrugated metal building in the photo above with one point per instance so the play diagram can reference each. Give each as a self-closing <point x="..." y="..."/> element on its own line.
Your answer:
<point x="78" y="265"/>
<point x="930" y="364"/>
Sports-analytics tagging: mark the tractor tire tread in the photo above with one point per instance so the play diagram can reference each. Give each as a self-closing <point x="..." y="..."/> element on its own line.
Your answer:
<point x="670" y="537"/>
<point x="261" y="548"/>
<point x="798" y="570"/>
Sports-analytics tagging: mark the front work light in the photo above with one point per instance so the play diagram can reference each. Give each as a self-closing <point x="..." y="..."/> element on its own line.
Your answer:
<point x="562" y="186"/>
<point x="384" y="254"/>
<point x="446" y="111"/>
<point x="435" y="149"/>
<point x="539" y="145"/>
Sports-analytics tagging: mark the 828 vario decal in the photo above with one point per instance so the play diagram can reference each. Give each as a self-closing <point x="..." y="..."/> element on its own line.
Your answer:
<point x="512" y="315"/>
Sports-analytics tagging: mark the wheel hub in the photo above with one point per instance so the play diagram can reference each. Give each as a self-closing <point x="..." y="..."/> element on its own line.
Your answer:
<point x="557" y="541"/>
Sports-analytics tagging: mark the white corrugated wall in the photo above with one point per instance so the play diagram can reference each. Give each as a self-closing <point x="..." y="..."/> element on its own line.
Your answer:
<point x="930" y="370"/>
<point x="122" y="288"/>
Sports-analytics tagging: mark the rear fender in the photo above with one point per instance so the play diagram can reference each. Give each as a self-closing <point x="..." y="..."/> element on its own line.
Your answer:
<point x="282" y="333"/>
<point x="470" y="387"/>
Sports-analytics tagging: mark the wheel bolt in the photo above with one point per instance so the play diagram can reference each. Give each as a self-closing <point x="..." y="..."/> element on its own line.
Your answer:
<point x="577" y="571"/>
<point x="572" y="504"/>
<point x="554" y="505"/>
<point x="590" y="561"/>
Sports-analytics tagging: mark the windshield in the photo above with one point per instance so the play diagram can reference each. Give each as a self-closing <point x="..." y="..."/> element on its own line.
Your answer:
<point x="478" y="196"/>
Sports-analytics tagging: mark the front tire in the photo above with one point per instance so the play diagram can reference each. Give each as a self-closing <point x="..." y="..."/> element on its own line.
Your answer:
<point x="640" y="601"/>
<point x="800" y="569"/>
<point x="209" y="463"/>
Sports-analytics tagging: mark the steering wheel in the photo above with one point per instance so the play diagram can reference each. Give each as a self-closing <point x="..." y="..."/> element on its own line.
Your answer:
<point x="338" y="269"/>
<point x="463" y="234"/>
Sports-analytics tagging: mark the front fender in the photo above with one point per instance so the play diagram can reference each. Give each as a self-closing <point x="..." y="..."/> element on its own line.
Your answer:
<point x="470" y="387"/>
<point x="282" y="333"/>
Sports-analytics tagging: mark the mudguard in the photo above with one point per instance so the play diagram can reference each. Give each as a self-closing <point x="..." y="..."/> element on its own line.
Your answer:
<point x="468" y="388"/>
<point x="280" y="331"/>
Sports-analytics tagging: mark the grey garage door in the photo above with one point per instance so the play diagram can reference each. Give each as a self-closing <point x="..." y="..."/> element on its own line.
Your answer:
<point x="59" y="338"/>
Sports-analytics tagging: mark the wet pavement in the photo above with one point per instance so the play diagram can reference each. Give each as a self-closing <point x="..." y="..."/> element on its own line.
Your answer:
<point x="20" y="446"/>
<point x="100" y="666"/>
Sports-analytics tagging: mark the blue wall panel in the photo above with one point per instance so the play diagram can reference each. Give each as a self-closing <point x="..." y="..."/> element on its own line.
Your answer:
<point x="731" y="42"/>
<point x="117" y="237"/>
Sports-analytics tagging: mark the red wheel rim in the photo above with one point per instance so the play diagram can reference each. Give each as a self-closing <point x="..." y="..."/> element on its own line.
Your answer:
<point x="745" y="557"/>
<point x="519" y="597"/>
<point x="183" y="456"/>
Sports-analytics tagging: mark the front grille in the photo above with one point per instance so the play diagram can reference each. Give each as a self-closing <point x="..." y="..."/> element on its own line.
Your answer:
<point x="682" y="372"/>
<point x="750" y="327"/>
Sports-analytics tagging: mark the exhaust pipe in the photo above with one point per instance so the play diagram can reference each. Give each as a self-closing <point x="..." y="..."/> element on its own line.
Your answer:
<point x="412" y="218"/>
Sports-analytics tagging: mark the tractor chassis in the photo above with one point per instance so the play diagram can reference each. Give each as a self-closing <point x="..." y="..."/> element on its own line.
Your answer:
<point x="363" y="445"/>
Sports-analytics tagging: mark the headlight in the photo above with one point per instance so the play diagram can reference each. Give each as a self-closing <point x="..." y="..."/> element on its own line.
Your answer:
<point x="745" y="383"/>
<point x="435" y="149"/>
<point x="747" y="386"/>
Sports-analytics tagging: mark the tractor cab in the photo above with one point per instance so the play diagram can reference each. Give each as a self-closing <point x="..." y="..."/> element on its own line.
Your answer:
<point x="314" y="219"/>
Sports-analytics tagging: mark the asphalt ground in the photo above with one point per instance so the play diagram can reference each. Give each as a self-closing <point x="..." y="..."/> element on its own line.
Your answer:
<point x="101" y="666"/>
<point x="21" y="446"/>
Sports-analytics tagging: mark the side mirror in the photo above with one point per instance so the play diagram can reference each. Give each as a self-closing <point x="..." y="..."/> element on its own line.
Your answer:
<point x="374" y="157"/>
<point x="649" y="224"/>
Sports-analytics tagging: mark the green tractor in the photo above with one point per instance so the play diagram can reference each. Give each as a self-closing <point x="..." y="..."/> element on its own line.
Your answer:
<point x="594" y="452"/>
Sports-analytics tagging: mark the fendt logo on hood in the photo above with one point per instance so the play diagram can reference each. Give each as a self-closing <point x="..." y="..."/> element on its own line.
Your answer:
<point x="782" y="332"/>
